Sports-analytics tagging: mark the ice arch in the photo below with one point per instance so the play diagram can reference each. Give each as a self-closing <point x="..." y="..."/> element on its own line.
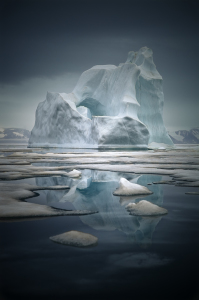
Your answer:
<point x="124" y="102"/>
<point x="95" y="107"/>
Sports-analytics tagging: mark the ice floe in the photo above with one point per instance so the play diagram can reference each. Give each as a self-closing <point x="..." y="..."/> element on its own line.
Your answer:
<point x="145" y="208"/>
<point x="74" y="174"/>
<point x="180" y="164"/>
<point x="75" y="239"/>
<point x="12" y="207"/>
<point x="127" y="188"/>
<point x="14" y="172"/>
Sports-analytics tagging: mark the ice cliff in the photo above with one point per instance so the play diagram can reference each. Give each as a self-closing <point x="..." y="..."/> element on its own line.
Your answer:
<point x="109" y="107"/>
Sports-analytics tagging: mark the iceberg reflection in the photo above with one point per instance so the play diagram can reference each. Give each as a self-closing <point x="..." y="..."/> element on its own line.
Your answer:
<point x="94" y="191"/>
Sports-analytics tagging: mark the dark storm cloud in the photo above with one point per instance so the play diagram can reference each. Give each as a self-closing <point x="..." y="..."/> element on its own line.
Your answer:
<point x="46" y="45"/>
<point x="46" y="38"/>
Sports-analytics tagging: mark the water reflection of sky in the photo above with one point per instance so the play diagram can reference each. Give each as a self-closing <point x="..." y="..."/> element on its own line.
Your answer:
<point x="136" y="257"/>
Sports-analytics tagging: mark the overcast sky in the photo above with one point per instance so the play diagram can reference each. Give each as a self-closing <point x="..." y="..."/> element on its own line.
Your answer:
<point x="46" y="45"/>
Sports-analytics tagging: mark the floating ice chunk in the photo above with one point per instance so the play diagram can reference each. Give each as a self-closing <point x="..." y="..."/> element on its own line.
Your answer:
<point x="127" y="188"/>
<point x="74" y="173"/>
<point x="145" y="208"/>
<point x="14" y="209"/>
<point x="75" y="239"/>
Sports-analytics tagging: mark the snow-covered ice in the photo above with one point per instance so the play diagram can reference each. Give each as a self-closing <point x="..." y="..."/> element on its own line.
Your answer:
<point x="16" y="171"/>
<point x="11" y="206"/>
<point x="127" y="188"/>
<point x="75" y="239"/>
<point x="181" y="164"/>
<point x="74" y="174"/>
<point x="111" y="106"/>
<point x="145" y="208"/>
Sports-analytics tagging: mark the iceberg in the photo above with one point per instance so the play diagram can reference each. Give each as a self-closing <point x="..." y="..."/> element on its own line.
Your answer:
<point x="110" y="107"/>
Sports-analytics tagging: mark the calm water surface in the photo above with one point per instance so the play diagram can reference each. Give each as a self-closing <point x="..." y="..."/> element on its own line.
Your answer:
<point x="136" y="257"/>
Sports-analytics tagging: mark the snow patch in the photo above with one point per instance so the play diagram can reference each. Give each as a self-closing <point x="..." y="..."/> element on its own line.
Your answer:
<point x="12" y="207"/>
<point x="75" y="239"/>
<point x="145" y="208"/>
<point x="127" y="188"/>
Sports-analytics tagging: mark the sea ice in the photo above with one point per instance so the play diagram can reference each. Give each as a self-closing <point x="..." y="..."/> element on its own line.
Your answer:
<point x="127" y="188"/>
<point x="14" y="172"/>
<point x="180" y="164"/>
<point x="74" y="174"/>
<point x="111" y="106"/>
<point x="12" y="207"/>
<point x="145" y="208"/>
<point x="75" y="239"/>
<point x="96" y="195"/>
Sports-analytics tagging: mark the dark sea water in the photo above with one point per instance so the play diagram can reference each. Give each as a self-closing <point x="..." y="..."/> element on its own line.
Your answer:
<point x="135" y="258"/>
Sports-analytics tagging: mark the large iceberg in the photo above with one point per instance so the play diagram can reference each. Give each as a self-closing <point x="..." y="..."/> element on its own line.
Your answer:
<point x="109" y="107"/>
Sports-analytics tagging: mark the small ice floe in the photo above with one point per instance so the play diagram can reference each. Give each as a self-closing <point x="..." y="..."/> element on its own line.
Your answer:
<point x="145" y="208"/>
<point x="74" y="174"/>
<point x="127" y="188"/>
<point x="75" y="239"/>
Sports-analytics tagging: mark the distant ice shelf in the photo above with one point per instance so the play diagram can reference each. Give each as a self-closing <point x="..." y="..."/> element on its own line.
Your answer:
<point x="110" y="107"/>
